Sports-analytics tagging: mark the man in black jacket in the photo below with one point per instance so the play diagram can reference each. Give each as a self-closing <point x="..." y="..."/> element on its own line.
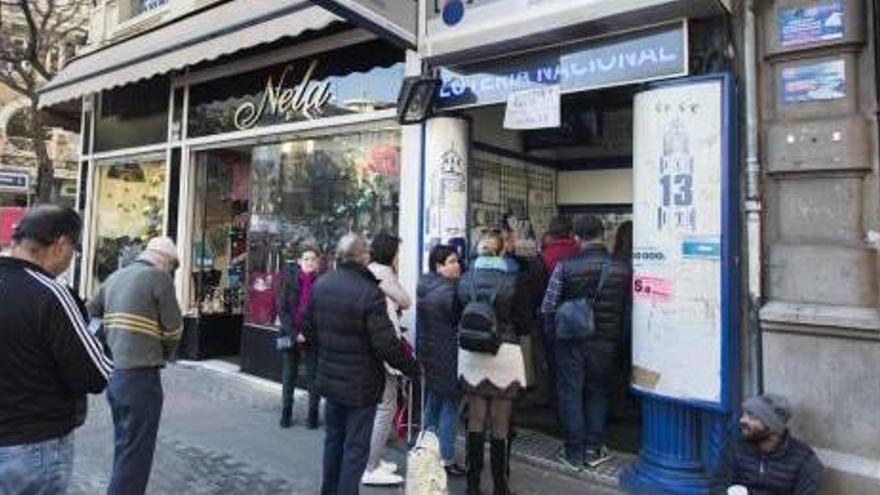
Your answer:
<point x="48" y="359"/>
<point x="586" y="364"/>
<point x="766" y="459"/>
<point x="349" y="324"/>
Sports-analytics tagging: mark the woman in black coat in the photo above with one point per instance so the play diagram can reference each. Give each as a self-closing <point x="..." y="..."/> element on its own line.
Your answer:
<point x="437" y="316"/>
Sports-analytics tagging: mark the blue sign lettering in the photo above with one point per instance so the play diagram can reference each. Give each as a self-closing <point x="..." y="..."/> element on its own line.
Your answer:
<point x="617" y="61"/>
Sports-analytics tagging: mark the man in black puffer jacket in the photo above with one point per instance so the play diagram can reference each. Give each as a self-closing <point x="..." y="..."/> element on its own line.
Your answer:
<point x="349" y="324"/>
<point x="586" y="365"/>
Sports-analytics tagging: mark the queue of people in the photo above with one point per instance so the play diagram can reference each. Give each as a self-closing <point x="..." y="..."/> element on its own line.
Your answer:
<point x="346" y="325"/>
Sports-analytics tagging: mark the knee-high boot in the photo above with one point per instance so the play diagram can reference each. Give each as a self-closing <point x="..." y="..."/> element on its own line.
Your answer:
<point x="499" y="460"/>
<point x="475" y="452"/>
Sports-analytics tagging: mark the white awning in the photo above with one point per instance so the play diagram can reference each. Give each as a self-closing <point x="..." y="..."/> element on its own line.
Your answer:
<point x="218" y="31"/>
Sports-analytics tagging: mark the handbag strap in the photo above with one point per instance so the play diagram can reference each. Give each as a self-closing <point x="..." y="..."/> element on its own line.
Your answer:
<point x="603" y="274"/>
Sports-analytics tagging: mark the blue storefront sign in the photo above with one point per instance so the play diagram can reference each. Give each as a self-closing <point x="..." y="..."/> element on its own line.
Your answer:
<point x="644" y="56"/>
<point x="806" y="25"/>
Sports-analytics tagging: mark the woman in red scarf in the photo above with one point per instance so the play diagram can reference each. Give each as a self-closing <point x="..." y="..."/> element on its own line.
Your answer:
<point x="292" y="302"/>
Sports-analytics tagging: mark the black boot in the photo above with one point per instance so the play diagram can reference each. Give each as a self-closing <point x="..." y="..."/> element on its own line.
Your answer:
<point x="286" y="416"/>
<point x="499" y="460"/>
<point x="474" y="462"/>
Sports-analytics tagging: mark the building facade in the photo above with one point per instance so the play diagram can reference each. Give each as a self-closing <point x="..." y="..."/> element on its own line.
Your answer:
<point x="739" y="139"/>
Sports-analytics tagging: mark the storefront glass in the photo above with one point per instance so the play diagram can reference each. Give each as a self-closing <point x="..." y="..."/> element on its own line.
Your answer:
<point x="259" y="206"/>
<point x="129" y="210"/>
<point x="219" y="230"/>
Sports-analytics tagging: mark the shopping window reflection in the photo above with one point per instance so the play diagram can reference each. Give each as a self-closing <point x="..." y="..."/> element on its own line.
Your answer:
<point x="298" y="193"/>
<point x="130" y="209"/>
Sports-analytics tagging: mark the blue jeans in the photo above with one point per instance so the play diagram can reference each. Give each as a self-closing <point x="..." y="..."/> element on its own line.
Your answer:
<point x="440" y="417"/>
<point x="585" y="370"/>
<point x="41" y="468"/>
<point x="135" y="397"/>
<point x="346" y="447"/>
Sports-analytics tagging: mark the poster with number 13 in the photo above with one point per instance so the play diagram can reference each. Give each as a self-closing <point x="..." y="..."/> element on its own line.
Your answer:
<point x="677" y="241"/>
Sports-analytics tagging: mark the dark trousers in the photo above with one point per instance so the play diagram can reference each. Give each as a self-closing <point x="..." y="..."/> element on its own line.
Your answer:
<point x="585" y="373"/>
<point x="290" y="361"/>
<point x="346" y="447"/>
<point x="135" y="398"/>
<point x="548" y="341"/>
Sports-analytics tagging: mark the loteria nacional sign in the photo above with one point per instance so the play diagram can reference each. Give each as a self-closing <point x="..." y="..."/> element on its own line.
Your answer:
<point x="305" y="99"/>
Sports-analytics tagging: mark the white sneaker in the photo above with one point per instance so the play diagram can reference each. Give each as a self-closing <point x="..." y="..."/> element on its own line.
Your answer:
<point x="380" y="478"/>
<point x="387" y="466"/>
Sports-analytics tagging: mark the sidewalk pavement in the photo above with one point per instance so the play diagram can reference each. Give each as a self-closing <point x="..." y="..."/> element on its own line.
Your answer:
<point x="219" y="435"/>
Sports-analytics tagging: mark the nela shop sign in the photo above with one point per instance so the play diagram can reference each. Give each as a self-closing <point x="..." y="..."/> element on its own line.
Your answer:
<point x="305" y="99"/>
<point x="644" y="56"/>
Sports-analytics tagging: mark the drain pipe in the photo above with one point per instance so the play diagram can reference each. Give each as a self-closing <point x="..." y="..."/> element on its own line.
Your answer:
<point x="753" y="205"/>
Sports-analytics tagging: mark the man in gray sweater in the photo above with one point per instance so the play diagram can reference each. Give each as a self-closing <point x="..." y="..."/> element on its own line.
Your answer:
<point x="143" y="324"/>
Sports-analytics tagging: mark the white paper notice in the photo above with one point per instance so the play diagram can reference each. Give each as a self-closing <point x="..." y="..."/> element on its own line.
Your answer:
<point x="536" y="108"/>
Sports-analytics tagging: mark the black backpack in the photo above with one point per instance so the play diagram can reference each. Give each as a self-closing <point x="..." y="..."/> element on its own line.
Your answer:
<point x="478" y="327"/>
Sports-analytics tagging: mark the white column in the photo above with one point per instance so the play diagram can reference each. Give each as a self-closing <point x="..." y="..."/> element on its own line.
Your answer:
<point x="411" y="149"/>
<point x="445" y="197"/>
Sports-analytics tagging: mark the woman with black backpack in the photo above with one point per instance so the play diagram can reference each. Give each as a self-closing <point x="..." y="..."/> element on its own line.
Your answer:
<point x="490" y="360"/>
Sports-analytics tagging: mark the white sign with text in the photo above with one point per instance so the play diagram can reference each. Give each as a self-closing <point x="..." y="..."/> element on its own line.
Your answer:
<point x="536" y="108"/>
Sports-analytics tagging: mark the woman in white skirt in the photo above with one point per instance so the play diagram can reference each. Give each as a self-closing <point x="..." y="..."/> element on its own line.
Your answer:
<point x="492" y="382"/>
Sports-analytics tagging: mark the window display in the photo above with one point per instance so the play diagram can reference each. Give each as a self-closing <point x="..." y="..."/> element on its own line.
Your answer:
<point x="219" y="231"/>
<point x="130" y="209"/>
<point x="311" y="192"/>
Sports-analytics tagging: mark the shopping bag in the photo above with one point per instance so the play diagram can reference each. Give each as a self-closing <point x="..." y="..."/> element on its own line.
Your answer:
<point x="424" y="467"/>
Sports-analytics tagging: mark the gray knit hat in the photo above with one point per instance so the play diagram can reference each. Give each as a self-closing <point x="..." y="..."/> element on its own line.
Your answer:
<point x="773" y="410"/>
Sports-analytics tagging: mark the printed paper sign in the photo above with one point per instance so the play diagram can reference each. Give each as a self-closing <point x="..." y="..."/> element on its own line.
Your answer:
<point x="677" y="185"/>
<point x="814" y="82"/>
<point x="806" y="25"/>
<point x="536" y="108"/>
<point x="653" y="289"/>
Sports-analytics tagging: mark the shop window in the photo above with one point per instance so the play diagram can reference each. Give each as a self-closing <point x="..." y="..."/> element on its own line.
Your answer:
<point x="219" y="231"/>
<point x="133" y="115"/>
<point x="130" y="209"/>
<point x="260" y="206"/>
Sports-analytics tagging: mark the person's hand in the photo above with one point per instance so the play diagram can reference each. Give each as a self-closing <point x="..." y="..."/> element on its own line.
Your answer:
<point x="300" y="339"/>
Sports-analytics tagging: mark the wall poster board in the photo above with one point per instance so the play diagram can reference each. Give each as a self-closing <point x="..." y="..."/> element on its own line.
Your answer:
<point x="684" y="239"/>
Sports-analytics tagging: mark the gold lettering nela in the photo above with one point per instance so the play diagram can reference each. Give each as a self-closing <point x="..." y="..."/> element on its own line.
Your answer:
<point x="306" y="98"/>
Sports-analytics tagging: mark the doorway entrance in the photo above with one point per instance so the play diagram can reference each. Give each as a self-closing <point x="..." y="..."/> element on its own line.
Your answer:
<point x="525" y="179"/>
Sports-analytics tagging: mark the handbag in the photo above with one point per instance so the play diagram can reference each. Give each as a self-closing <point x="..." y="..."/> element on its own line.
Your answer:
<point x="284" y="343"/>
<point x="576" y="318"/>
<point x="424" y="467"/>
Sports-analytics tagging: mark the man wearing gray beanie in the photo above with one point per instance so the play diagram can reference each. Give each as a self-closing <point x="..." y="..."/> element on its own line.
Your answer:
<point x="766" y="459"/>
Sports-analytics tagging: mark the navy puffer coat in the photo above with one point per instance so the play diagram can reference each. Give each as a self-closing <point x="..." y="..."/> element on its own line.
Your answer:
<point x="437" y="314"/>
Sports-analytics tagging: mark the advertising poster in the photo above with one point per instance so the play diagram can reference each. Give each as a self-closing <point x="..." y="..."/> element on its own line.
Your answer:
<point x="807" y="25"/>
<point x="677" y="215"/>
<point x="814" y="82"/>
<point x="446" y="190"/>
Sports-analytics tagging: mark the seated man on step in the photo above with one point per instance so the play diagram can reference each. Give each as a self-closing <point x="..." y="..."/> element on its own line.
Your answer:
<point x="766" y="459"/>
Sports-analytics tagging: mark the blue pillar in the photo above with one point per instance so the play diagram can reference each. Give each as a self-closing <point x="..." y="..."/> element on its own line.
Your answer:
<point x="680" y="445"/>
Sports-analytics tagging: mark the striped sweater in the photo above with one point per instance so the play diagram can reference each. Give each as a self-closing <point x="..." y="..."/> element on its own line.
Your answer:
<point x="141" y="316"/>
<point x="48" y="358"/>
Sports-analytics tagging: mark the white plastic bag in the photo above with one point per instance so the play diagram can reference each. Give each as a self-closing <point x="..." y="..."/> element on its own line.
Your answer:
<point x="424" y="467"/>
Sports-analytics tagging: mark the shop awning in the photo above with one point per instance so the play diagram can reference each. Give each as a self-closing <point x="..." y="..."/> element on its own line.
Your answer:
<point x="217" y="31"/>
